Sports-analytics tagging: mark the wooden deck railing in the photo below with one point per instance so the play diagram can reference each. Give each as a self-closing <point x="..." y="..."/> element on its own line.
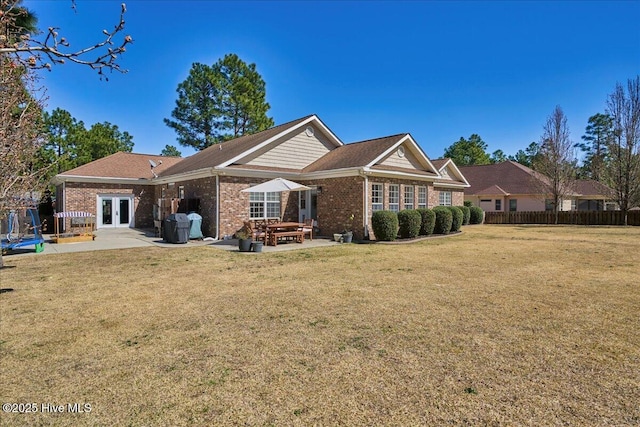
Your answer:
<point x="565" y="217"/>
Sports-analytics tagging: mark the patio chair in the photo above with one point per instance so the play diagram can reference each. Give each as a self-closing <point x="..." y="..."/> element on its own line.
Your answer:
<point x="259" y="231"/>
<point x="307" y="228"/>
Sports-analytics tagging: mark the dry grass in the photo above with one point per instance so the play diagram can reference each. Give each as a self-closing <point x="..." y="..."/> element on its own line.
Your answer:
<point x="498" y="326"/>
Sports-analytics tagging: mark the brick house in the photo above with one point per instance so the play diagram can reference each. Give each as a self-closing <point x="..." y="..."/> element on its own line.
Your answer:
<point x="391" y="173"/>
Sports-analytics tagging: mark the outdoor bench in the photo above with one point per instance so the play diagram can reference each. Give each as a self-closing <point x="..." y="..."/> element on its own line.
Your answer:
<point x="275" y="235"/>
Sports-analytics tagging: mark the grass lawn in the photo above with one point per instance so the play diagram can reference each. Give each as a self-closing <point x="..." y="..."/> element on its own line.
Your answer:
<point x="502" y="325"/>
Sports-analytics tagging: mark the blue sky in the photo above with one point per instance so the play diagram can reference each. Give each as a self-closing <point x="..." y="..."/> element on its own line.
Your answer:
<point x="438" y="70"/>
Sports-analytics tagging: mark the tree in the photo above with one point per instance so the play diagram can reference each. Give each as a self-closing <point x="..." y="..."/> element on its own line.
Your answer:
<point x="622" y="170"/>
<point x="221" y="102"/>
<point x="468" y="152"/>
<point x="170" y="151"/>
<point x="19" y="25"/>
<point x="597" y="136"/>
<point x="101" y="140"/>
<point x="556" y="161"/>
<point x="63" y="137"/>
<point x="21" y="103"/>
<point x="528" y="156"/>
<point x="498" y="156"/>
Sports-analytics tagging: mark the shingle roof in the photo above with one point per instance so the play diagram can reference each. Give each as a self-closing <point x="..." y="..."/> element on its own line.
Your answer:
<point x="220" y="153"/>
<point x="124" y="165"/>
<point x="589" y="187"/>
<point x="510" y="176"/>
<point x="439" y="163"/>
<point x="355" y="154"/>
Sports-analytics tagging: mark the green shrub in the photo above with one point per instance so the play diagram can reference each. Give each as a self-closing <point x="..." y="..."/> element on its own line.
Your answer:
<point x="468" y="203"/>
<point x="477" y="215"/>
<point x="409" y="221"/>
<point x="428" y="221"/>
<point x="466" y="214"/>
<point x="444" y="218"/>
<point x="385" y="225"/>
<point x="456" y="217"/>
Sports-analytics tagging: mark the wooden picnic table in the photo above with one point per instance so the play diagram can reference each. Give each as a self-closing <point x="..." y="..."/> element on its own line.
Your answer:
<point x="284" y="230"/>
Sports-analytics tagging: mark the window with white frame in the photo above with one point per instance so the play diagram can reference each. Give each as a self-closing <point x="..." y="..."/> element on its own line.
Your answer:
<point x="498" y="204"/>
<point x="394" y="197"/>
<point x="377" y="197"/>
<point x="264" y="205"/>
<point x="445" y="198"/>
<point x="422" y="197"/>
<point x="408" y="197"/>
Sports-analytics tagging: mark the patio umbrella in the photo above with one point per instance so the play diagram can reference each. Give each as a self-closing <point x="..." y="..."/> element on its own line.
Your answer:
<point x="276" y="185"/>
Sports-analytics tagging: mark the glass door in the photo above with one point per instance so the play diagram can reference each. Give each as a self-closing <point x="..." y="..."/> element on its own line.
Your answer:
<point x="115" y="211"/>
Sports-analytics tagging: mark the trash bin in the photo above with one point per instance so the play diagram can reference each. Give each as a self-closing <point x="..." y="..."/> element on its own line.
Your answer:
<point x="176" y="228"/>
<point x="195" y="227"/>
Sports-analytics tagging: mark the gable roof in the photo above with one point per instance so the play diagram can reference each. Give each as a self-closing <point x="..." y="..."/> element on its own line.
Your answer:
<point x="510" y="176"/>
<point x="445" y="163"/>
<point x="370" y="153"/>
<point x="228" y="152"/>
<point x="355" y="154"/>
<point x="121" y="165"/>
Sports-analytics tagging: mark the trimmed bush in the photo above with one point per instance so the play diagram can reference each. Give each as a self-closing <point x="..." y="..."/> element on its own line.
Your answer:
<point x="456" y="217"/>
<point x="409" y="221"/>
<point x="477" y="215"/>
<point x="466" y="214"/>
<point x="385" y="225"/>
<point x="468" y="203"/>
<point x="428" y="221"/>
<point x="444" y="218"/>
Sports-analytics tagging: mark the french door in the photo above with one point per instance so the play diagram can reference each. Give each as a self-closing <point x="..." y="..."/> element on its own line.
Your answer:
<point x="115" y="211"/>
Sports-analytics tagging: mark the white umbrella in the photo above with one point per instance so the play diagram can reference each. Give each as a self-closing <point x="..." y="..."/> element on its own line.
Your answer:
<point x="276" y="185"/>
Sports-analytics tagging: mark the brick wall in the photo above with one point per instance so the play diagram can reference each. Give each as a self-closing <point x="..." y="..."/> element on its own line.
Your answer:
<point x="432" y="196"/>
<point x="84" y="197"/>
<point x="337" y="201"/>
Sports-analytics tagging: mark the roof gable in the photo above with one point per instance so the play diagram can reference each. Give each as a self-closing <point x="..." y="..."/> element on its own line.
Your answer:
<point x="245" y="148"/>
<point x="449" y="171"/>
<point x="377" y="154"/>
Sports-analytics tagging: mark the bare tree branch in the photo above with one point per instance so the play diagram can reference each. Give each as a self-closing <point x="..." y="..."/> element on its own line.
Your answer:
<point x="54" y="49"/>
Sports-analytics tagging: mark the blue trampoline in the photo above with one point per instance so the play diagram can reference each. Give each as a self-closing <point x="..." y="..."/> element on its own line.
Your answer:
<point x="22" y="228"/>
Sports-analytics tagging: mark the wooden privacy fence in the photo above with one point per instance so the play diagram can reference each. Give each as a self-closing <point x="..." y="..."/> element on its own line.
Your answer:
<point x="565" y="217"/>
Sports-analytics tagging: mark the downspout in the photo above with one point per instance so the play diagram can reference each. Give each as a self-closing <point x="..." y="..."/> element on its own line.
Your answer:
<point x="366" y="206"/>
<point x="217" y="207"/>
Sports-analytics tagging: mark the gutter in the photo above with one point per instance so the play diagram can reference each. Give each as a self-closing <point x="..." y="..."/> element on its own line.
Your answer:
<point x="217" y="207"/>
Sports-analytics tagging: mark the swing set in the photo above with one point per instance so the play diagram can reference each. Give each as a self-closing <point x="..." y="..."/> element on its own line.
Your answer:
<point x="22" y="228"/>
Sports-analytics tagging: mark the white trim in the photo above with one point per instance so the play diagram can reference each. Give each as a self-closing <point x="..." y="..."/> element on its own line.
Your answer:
<point x="415" y="149"/>
<point x="280" y="135"/>
<point x="60" y="179"/>
<point x="455" y="170"/>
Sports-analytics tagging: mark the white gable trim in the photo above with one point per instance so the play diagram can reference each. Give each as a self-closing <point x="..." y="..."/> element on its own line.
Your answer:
<point x="456" y="171"/>
<point x="263" y="144"/>
<point x="415" y="149"/>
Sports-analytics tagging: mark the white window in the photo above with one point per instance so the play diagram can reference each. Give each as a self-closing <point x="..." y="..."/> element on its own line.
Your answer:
<point x="498" y="204"/>
<point x="181" y="192"/>
<point x="394" y="197"/>
<point x="377" y="197"/>
<point x="408" y="197"/>
<point x="422" y="197"/>
<point x="445" y="198"/>
<point x="264" y="205"/>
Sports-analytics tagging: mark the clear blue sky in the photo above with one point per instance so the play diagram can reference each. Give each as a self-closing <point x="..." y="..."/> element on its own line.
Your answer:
<point x="438" y="70"/>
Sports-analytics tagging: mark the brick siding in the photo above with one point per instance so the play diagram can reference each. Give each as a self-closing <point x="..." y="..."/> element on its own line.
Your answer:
<point x="84" y="197"/>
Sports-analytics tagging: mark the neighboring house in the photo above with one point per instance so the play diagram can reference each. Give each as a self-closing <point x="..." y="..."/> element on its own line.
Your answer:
<point x="390" y="173"/>
<point x="509" y="186"/>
